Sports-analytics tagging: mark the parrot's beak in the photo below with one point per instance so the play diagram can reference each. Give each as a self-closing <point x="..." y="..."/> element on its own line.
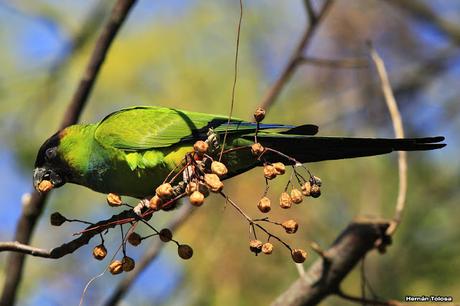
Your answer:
<point x="46" y="179"/>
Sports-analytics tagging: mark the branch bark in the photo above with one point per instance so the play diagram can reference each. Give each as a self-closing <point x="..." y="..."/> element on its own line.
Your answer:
<point x="33" y="209"/>
<point x="324" y="277"/>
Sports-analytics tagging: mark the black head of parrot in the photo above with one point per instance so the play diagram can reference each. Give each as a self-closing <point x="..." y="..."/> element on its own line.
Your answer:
<point x="49" y="165"/>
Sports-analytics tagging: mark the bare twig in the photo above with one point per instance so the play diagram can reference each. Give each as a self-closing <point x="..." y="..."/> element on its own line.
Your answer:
<point x="154" y="249"/>
<point x="72" y="246"/>
<point x="297" y="55"/>
<point x="424" y="12"/>
<point x="399" y="133"/>
<point x="32" y="211"/>
<point x="324" y="277"/>
<point x="335" y="63"/>
<point x="368" y="301"/>
<point x="235" y="77"/>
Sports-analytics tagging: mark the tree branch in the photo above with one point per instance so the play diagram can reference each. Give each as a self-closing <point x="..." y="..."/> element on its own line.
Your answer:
<point x="33" y="209"/>
<point x="296" y="56"/>
<point x="70" y="247"/>
<point x="324" y="277"/>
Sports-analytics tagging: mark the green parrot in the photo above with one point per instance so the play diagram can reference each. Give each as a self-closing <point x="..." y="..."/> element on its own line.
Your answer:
<point x="131" y="151"/>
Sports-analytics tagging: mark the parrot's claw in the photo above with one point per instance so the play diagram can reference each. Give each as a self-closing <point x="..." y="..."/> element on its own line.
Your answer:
<point x="212" y="140"/>
<point x="140" y="207"/>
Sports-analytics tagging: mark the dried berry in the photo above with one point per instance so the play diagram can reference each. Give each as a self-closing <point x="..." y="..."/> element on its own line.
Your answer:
<point x="280" y="168"/>
<point x="264" y="205"/>
<point x="257" y="149"/>
<point x="116" y="267"/>
<point x="267" y="248"/>
<point x="45" y="186"/>
<point x="134" y="239"/>
<point x="296" y="196"/>
<point x="259" y="114"/>
<point x="164" y="191"/>
<point x="315" y="191"/>
<point x="255" y="246"/>
<point x="56" y="219"/>
<point x="114" y="200"/>
<point x="200" y="147"/>
<point x="306" y="189"/>
<point x="314" y="180"/>
<point x="127" y="264"/>
<point x="196" y="198"/>
<point x="270" y="172"/>
<point x="213" y="182"/>
<point x="299" y="255"/>
<point x="185" y="251"/>
<point x="165" y="235"/>
<point x="155" y="203"/>
<point x="218" y="168"/>
<point x="99" y="252"/>
<point x="285" y="200"/>
<point x="290" y="226"/>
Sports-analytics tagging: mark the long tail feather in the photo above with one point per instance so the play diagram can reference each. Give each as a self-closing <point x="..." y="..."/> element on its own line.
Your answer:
<point x="312" y="149"/>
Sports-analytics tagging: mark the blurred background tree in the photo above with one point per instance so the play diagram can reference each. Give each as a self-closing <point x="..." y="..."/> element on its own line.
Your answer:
<point x="180" y="54"/>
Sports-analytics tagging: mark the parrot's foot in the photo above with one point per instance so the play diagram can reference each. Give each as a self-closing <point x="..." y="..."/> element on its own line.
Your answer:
<point x="140" y="208"/>
<point x="212" y="141"/>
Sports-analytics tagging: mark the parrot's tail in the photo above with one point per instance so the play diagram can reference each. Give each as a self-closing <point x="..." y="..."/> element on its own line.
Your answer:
<point x="311" y="149"/>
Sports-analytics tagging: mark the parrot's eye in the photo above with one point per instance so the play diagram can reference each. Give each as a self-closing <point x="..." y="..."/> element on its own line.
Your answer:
<point x="50" y="153"/>
<point x="46" y="176"/>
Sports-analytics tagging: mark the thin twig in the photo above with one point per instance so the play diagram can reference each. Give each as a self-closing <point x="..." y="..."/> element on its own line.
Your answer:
<point x="399" y="133"/>
<point x="365" y="301"/>
<point x="335" y="63"/>
<point x="32" y="211"/>
<point x="295" y="59"/>
<point x="235" y="78"/>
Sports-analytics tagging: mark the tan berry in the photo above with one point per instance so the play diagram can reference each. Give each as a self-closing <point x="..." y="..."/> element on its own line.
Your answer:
<point x="259" y="114"/>
<point x="270" y="172"/>
<point x="315" y="191"/>
<point x="56" y="219"/>
<point x="299" y="255"/>
<point x="116" y="267"/>
<point x="45" y="186"/>
<point x="155" y="203"/>
<point x="114" y="200"/>
<point x="257" y="149"/>
<point x="267" y="248"/>
<point x="280" y="168"/>
<point x="213" y="182"/>
<point x="306" y="189"/>
<point x="196" y="198"/>
<point x="134" y="239"/>
<point x="290" y="226"/>
<point x="185" y="251"/>
<point x="218" y="168"/>
<point x="164" y="191"/>
<point x="255" y="246"/>
<point x="264" y="205"/>
<point x="285" y="200"/>
<point x="296" y="196"/>
<point x="165" y="235"/>
<point x="99" y="252"/>
<point x="200" y="147"/>
<point x="128" y="264"/>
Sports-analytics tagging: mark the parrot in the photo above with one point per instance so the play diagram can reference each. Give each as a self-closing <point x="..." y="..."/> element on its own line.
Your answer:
<point x="131" y="151"/>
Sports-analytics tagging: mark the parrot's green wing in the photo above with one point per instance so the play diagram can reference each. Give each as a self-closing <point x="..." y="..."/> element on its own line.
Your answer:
<point x="144" y="127"/>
